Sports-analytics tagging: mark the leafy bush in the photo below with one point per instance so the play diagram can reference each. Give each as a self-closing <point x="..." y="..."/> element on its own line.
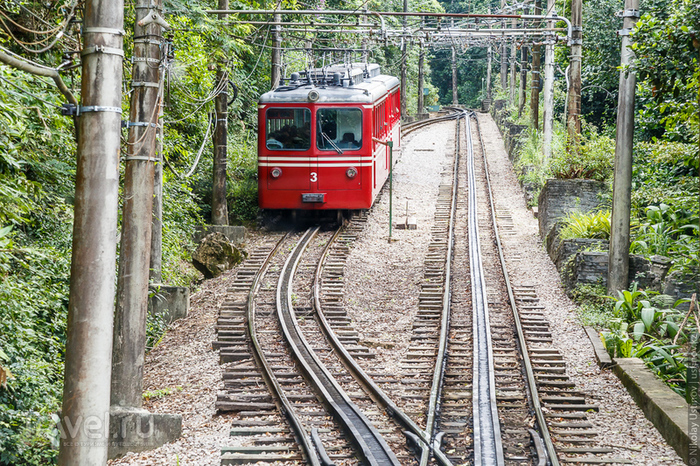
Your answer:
<point x="34" y="293"/>
<point x="586" y="225"/>
<point x="672" y="232"/>
<point x="640" y="329"/>
<point x="592" y="159"/>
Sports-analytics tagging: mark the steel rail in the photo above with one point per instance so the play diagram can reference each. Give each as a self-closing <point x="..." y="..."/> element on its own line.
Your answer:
<point x="530" y="376"/>
<point x="439" y="372"/>
<point x="366" y="437"/>
<point x="425" y="438"/>
<point x="281" y="400"/>
<point x="408" y="128"/>
<point x="488" y="449"/>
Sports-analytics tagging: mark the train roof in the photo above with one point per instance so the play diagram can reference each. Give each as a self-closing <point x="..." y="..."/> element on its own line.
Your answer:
<point x="353" y="83"/>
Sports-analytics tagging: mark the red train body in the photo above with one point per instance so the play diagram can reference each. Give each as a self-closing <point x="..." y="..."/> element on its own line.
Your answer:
<point x="316" y="147"/>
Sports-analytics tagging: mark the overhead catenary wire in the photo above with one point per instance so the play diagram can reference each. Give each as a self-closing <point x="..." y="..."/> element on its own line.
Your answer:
<point x="196" y="160"/>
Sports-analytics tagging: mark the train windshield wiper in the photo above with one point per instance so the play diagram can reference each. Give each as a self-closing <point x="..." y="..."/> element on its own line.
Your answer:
<point x="337" y="149"/>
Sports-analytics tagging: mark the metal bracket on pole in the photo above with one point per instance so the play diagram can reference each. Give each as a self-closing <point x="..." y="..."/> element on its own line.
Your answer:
<point x="153" y="17"/>
<point x="98" y="30"/>
<point x="129" y="124"/>
<point x="144" y="84"/>
<point x="147" y="60"/>
<point x="141" y="157"/>
<point x="576" y="41"/>
<point x="147" y="41"/>
<point x="624" y="32"/>
<point x="631" y="14"/>
<point x="102" y="49"/>
<point x="97" y="108"/>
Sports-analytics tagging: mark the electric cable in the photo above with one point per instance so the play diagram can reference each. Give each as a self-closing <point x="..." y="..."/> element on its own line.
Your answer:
<point x="24" y="91"/>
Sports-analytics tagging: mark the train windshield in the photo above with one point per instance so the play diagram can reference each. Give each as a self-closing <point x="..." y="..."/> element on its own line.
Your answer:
<point x="288" y="128"/>
<point x="338" y="129"/>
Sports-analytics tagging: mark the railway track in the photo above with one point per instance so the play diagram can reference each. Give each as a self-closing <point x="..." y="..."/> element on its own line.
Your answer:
<point x="307" y="392"/>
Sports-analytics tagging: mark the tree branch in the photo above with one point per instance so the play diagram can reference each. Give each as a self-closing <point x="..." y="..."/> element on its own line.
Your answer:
<point x="39" y="71"/>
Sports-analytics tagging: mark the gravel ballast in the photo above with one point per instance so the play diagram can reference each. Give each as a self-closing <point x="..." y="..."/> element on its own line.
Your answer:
<point x="382" y="283"/>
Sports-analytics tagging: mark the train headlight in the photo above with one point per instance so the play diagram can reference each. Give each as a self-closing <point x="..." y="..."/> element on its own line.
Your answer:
<point x="351" y="172"/>
<point x="313" y="95"/>
<point x="276" y="172"/>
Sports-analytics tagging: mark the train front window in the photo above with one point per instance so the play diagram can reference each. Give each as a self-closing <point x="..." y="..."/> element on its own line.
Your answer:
<point x="339" y="129"/>
<point x="288" y="128"/>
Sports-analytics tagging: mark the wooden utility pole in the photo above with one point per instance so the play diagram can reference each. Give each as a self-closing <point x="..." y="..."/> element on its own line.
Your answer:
<point x="573" y="122"/>
<point x="522" y="97"/>
<point x="137" y="210"/>
<point x="618" y="259"/>
<point x="219" y="208"/>
<point x="489" y="64"/>
<point x="421" y="63"/>
<point x="86" y="387"/>
<point x="535" y="86"/>
<point x="522" y="94"/>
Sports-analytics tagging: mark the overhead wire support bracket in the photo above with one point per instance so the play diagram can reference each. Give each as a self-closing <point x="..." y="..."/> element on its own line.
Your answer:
<point x="382" y="14"/>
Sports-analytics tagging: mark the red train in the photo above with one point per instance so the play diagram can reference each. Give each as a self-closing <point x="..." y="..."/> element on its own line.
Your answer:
<point x="316" y="141"/>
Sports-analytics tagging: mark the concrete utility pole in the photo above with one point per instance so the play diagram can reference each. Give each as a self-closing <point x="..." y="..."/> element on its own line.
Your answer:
<point x="489" y="61"/>
<point x="276" y="59"/>
<point x="219" y="208"/>
<point x="513" y="53"/>
<point x="134" y="257"/>
<point x="504" y="66"/>
<point x="549" y="87"/>
<point x="535" y="86"/>
<point x="85" y="410"/>
<point x="421" y="63"/>
<point x="573" y="122"/>
<point x="455" y="99"/>
<point x="618" y="259"/>
<point x="404" y="60"/>
<point x="504" y="59"/>
<point x="156" y="265"/>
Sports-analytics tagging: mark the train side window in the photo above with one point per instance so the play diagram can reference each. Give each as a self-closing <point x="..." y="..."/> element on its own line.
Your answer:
<point x="339" y="128"/>
<point x="288" y="129"/>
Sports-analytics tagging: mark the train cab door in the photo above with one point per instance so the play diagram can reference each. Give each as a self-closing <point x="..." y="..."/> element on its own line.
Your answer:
<point x="339" y="143"/>
<point x="287" y="148"/>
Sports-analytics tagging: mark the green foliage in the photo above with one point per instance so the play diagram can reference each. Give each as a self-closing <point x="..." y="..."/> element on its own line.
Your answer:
<point x="586" y="225"/>
<point x="592" y="160"/>
<point x="669" y="232"/>
<point x="629" y="304"/>
<point x="664" y="171"/>
<point x="156" y="326"/>
<point x="243" y="182"/>
<point x="594" y="308"/>
<point x="160" y="393"/>
<point x="34" y="293"/>
<point x="666" y="44"/>
<point x="641" y="329"/>
<point x="601" y="59"/>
